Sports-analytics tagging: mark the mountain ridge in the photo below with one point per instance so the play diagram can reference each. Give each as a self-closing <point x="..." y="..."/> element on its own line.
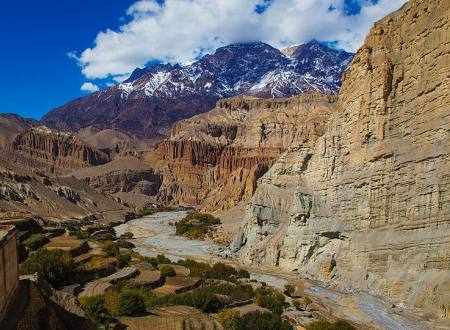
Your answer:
<point x="153" y="98"/>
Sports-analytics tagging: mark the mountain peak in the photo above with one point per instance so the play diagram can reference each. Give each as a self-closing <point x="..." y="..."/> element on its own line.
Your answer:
<point x="156" y="96"/>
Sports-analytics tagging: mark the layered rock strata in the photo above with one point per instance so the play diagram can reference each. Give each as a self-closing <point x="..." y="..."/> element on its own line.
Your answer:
<point x="214" y="159"/>
<point x="368" y="207"/>
<point x="128" y="178"/>
<point x="45" y="150"/>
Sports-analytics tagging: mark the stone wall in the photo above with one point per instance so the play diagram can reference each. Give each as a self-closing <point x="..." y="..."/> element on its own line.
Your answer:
<point x="9" y="271"/>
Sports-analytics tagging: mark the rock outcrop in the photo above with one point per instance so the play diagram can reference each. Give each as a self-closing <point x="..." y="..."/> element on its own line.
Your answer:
<point x="214" y="159"/>
<point x="128" y="178"/>
<point x="48" y="151"/>
<point x="368" y="207"/>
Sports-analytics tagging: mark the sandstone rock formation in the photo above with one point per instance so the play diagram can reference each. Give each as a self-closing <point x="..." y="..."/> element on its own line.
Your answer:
<point x="45" y="150"/>
<point x="214" y="159"/>
<point x="369" y="207"/>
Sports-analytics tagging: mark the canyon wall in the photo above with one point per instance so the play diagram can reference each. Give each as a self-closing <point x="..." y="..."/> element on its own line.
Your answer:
<point x="214" y="159"/>
<point x="368" y="207"/>
<point x="48" y="151"/>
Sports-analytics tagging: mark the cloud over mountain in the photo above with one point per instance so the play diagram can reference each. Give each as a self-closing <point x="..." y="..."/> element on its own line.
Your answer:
<point x="182" y="30"/>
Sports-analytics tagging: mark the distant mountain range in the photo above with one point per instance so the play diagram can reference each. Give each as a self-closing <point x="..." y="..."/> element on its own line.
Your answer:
<point x="146" y="104"/>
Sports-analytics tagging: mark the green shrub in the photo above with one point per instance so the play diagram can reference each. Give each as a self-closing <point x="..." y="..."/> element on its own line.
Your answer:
<point x="56" y="266"/>
<point x="167" y="271"/>
<point x="122" y="260"/>
<point x="229" y="319"/>
<point x="110" y="248"/>
<point x="325" y="325"/>
<point x="35" y="241"/>
<point x="218" y="271"/>
<point x="263" y="321"/>
<point x="159" y="259"/>
<point x="270" y="298"/>
<point x="95" y="308"/>
<point x="80" y="234"/>
<point x="242" y="273"/>
<point x="131" y="303"/>
<point x="196" y="224"/>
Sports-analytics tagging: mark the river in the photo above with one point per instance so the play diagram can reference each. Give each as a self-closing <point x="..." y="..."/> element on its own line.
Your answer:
<point x="154" y="234"/>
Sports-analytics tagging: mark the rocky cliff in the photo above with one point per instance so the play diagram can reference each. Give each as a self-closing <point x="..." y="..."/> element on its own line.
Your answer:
<point x="45" y="150"/>
<point x="214" y="159"/>
<point x="368" y="207"/>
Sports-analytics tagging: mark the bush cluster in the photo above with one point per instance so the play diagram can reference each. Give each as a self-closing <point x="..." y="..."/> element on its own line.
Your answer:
<point x="57" y="266"/>
<point x="325" y="325"/>
<point x="218" y="271"/>
<point x="196" y="224"/>
<point x="271" y="299"/>
<point x="167" y="271"/>
<point x="232" y="320"/>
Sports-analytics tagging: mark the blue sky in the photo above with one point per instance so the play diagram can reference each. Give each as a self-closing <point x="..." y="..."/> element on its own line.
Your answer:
<point x="36" y="35"/>
<point x="108" y="38"/>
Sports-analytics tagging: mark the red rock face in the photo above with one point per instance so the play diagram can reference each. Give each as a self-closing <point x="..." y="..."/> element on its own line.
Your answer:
<point x="215" y="159"/>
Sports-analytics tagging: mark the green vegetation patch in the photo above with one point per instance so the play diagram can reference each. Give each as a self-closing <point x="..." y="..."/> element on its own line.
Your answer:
<point x="325" y="325"/>
<point x="196" y="225"/>
<point x="57" y="266"/>
<point x="35" y="241"/>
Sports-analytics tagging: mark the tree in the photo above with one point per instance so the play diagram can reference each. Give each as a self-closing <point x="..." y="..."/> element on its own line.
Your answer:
<point x="167" y="271"/>
<point x="131" y="303"/>
<point x="95" y="308"/>
<point x="56" y="266"/>
<point x="229" y="319"/>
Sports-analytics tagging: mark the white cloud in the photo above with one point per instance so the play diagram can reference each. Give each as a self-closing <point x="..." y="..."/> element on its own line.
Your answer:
<point x="89" y="87"/>
<point x="180" y="30"/>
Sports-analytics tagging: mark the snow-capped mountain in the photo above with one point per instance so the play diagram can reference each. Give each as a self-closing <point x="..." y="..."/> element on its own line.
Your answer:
<point x="153" y="98"/>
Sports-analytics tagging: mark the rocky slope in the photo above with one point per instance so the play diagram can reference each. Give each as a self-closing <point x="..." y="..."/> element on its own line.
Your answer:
<point x="368" y="207"/>
<point x="48" y="151"/>
<point x="129" y="179"/>
<point x="214" y="159"/>
<point x="153" y="98"/>
<point x="11" y="125"/>
<point x="25" y="195"/>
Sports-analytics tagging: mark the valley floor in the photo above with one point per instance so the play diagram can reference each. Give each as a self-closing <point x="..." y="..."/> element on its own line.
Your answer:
<point x="154" y="235"/>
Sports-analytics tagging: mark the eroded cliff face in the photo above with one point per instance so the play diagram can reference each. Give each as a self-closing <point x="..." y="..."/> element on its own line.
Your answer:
<point x="215" y="159"/>
<point x="369" y="206"/>
<point x="48" y="151"/>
